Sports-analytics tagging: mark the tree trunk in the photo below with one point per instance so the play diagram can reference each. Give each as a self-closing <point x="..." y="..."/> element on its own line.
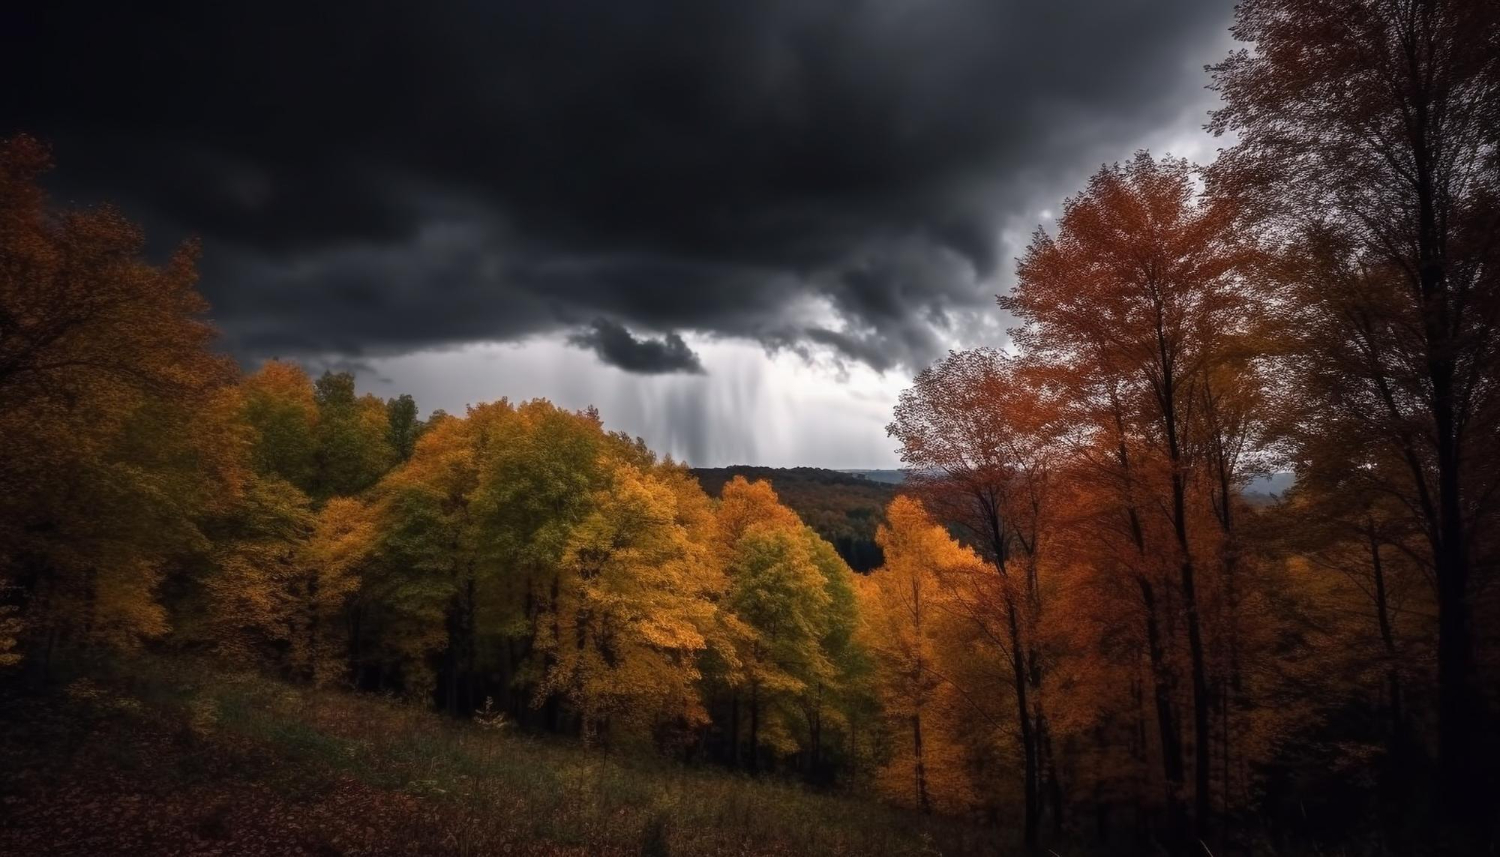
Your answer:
<point x="1460" y="795"/>
<point x="1161" y="676"/>
<point x="1388" y="642"/>
<point x="1201" y="737"/>
<point x="923" y="802"/>
<point x="1054" y="781"/>
<point x="453" y="657"/>
<point x="1032" y="808"/>
<point x="754" y="728"/>
<point x="1031" y="787"/>
<point x="816" y="728"/>
<point x="471" y="646"/>
<point x="734" y="729"/>
<point x="311" y="668"/>
<point x="1171" y="746"/>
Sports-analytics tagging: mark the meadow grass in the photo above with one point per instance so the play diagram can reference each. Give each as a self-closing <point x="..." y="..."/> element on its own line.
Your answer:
<point x="484" y="790"/>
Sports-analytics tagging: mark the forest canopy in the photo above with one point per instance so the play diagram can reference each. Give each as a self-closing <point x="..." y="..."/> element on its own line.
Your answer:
<point x="843" y="508"/>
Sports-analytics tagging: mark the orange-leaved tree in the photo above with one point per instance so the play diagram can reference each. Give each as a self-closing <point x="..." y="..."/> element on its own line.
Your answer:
<point x="114" y="444"/>
<point x="1367" y="137"/>
<point x="978" y="439"/>
<point x="1137" y="307"/>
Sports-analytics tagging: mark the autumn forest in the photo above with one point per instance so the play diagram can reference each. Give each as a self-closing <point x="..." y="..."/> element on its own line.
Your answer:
<point x="1072" y="629"/>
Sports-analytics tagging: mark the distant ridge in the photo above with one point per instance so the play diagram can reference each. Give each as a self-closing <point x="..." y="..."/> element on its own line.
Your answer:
<point x="892" y="477"/>
<point x="1274" y="484"/>
<point x="844" y="507"/>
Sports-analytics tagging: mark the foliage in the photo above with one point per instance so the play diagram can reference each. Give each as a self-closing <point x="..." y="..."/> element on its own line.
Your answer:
<point x="116" y="443"/>
<point x="844" y="509"/>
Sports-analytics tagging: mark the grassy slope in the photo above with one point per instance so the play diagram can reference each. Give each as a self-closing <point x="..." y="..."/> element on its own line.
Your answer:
<point x="179" y="757"/>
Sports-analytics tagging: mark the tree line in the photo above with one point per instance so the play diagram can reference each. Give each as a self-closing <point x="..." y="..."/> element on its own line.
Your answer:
<point x="1323" y="298"/>
<point x="517" y="560"/>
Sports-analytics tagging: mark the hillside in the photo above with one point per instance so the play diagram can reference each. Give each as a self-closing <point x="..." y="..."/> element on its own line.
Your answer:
<point x="178" y="756"/>
<point x="843" y="507"/>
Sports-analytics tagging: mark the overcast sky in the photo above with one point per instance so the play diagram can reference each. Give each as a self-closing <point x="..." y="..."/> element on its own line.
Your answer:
<point x="735" y="226"/>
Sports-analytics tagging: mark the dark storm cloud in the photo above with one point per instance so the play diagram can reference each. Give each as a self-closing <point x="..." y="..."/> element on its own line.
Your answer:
<point x="619" y="347"/>
<point x="375" y="178"/>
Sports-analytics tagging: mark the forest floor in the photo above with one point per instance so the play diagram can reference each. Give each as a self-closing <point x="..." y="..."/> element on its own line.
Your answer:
<point x="175" y="757"/>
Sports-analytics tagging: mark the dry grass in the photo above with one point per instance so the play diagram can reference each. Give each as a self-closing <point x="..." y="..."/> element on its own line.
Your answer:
<point x="172" y="756"/>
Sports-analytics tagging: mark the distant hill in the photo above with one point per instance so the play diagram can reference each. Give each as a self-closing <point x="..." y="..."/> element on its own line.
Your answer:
<point x="1267" y="490"/>
<point x="1276" y="483"/>
<point x="894" y="477"/>
<point x="843" y="507"/>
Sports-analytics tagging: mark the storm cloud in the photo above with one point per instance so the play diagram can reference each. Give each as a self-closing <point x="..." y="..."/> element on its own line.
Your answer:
<point x="376" y="179"/>
<point x="620" y="348"/>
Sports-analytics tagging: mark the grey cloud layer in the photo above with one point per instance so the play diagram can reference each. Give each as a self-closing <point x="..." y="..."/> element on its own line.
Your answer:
<point x="378" y="178"/>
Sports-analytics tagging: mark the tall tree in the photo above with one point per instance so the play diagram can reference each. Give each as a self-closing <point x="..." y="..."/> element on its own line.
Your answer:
<point x="280" y="408"/>
<point x="1368" y="132"/>
<point x="837" y="703"/>
<point x="353" y="438"/>
<point x="785" y="598"/>
<point x="430" y="579"/>
<point x="117" y="442"/>
<point x="538" y="478"/>
<point x="1142" y="283"/>
<point x="331" y="564"/>
<point x="254" y="567"/>
<point x="635" y="608"/>
<point x="909" y="622"/>
<point x="975" y="438"/>
<point x="403" y="427"/>
<point x="779" y="593"/>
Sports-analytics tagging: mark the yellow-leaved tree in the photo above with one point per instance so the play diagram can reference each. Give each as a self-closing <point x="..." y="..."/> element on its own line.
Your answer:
<point x="634" y="609"/>
<point x="327" y="577"/>
<point x="913" y="631"/>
